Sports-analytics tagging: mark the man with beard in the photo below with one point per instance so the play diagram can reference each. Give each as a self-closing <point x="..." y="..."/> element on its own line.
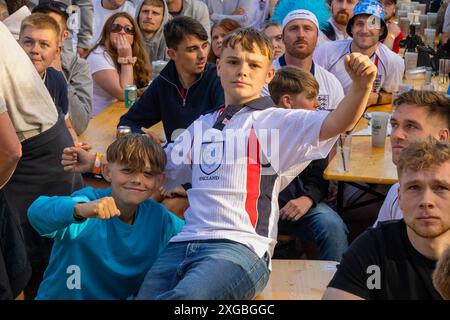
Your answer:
<point x="367" y="27"/>
<point x="395" y="34"/>
<point x="341" y="11"/>
<point x="151" y="16"/>
<point x="300" y="34"/>
<point x="417" y="115"/>
<point x="396" y="260"/>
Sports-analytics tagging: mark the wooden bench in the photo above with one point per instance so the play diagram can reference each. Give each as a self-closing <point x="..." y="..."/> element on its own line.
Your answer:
<point x="298" y="280"/>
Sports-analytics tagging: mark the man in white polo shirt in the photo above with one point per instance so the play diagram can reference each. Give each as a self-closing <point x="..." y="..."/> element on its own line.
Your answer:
<point x="300" y="34"/>
<point x="367" y="27"/>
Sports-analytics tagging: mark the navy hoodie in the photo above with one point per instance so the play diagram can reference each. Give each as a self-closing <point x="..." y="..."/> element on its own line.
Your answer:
<point x="164" y="101"/>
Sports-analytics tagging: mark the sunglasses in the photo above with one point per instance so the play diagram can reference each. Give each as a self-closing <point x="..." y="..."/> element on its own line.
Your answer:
<point x="116" y="28"/>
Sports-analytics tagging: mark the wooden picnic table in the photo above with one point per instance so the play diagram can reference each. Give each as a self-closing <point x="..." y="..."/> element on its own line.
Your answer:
<point x="298" y="280"/>
<point x="101" y="131"/>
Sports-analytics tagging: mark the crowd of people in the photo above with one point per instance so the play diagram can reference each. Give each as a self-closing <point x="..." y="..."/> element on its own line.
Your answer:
<point x="252" y="97"/>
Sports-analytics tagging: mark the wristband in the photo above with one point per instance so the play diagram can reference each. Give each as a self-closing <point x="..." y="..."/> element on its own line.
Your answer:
<point x="127" y="60"/>
<point x="97" y="163"/>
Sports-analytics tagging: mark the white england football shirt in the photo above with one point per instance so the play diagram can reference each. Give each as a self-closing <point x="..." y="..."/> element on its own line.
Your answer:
<point x="389" y="64"/>
<point x="238" y="172"/>
<point x="330" y="89"/>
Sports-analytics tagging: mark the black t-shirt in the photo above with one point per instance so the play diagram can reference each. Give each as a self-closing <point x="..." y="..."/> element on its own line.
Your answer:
<point x="404" y="272"/>
<point x="57" y="87"/>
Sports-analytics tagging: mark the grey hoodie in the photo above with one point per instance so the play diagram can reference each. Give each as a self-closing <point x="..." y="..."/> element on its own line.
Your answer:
<point x="156" y="46"/>
<point x="199" y="11"/>
<point x="79" y="87"/>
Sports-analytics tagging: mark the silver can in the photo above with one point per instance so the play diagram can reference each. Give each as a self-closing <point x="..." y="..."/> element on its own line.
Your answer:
<point x="123" y="131"/>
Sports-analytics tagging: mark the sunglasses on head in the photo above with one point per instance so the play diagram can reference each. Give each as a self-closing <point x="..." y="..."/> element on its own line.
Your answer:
<point x="116" y="28"/>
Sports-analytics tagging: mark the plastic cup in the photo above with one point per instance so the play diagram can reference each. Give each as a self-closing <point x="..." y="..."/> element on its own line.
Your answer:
<point x="402" y="14"/>
<point x="422" y="7"/>
<point x="379" y="123"/>
<point x="429" y="35"/>
<point x="344" y="147"/>
<point x="411" y="60"/>
<point x="423" y="23"/>
<point x="404" y="26"/>
<point x="431" y="21"/>
<point x="444" y="69"/>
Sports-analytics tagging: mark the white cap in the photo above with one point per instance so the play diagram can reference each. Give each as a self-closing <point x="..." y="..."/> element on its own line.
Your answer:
<point x="14" y="21"/>
<point x="301" y="14"/>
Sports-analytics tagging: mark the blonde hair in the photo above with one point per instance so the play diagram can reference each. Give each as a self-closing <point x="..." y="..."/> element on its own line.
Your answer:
<point x="441" y="275"/>
<point x="142" y="67"/>
<point x="292" y="80"/>
<point x="248" y="38"/>
<point x="423" y="154"/>
<point x="40" y="21"/>
<point x="136" y="151"/>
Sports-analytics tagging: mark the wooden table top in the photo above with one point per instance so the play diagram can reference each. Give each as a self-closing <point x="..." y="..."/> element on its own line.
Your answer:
<point x="367" y="164"/>
<point x="101" y="131"/>
<point x="298" y="280"/>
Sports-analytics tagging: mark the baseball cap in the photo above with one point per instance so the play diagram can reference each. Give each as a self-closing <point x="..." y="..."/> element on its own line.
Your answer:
<point x="300" y="14"/>
<point x="51" y="5"/>
<point x="368" y="7"/>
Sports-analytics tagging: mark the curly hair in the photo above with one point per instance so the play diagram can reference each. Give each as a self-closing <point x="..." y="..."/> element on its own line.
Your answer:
<point x="142" y="67"/>
<point x="423" y="154"/>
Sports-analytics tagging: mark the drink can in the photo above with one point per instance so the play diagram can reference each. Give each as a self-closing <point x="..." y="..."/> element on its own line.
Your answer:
<point x="122" y="131"/>
<point x="130" y="95"/>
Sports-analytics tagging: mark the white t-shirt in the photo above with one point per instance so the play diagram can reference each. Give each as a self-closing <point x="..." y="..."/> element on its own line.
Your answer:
<point x="22" y="92"/>
<point x="390" y="209"/>
<point x="390" y="65"/>
<point x="339" y="34"/>
<point x="330" y="89"/>
<point x="100" y="60"/>
<point x="235" y="190"/>
<point x="101" y="15"/>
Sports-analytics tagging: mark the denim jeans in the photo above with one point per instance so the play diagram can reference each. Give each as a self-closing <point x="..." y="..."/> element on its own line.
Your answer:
<point x="323" y="226"/>
<point x="205" y="270"/>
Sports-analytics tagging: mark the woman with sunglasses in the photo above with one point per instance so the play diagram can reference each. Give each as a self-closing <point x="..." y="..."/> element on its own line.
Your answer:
<point x="117" y="60"/>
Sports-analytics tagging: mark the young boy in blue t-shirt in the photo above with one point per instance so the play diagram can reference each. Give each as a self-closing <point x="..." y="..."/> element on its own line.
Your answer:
<point x="106" y="240"/>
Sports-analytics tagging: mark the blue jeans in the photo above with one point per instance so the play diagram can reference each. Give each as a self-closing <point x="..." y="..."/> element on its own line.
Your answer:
<point x="323" y="226"/>
<point x="205" y="270"/>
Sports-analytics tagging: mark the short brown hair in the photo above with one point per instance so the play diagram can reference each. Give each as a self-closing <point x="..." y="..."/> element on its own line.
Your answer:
<point x="40" y="21"/>
<point x="156" y="3"/>
<point x="423" y="154"/>
<point x="135" y="151"/>
<point x="247" y="38"/>
<point x="441" y="275"/>
<point x="178" y="28"/>
<point x="435" y="102"/>
<point x="292" y="80"/>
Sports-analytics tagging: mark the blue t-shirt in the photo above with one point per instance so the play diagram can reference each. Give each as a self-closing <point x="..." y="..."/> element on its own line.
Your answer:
<point x="94" y="258"/>
<point x="57" y="87"/>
